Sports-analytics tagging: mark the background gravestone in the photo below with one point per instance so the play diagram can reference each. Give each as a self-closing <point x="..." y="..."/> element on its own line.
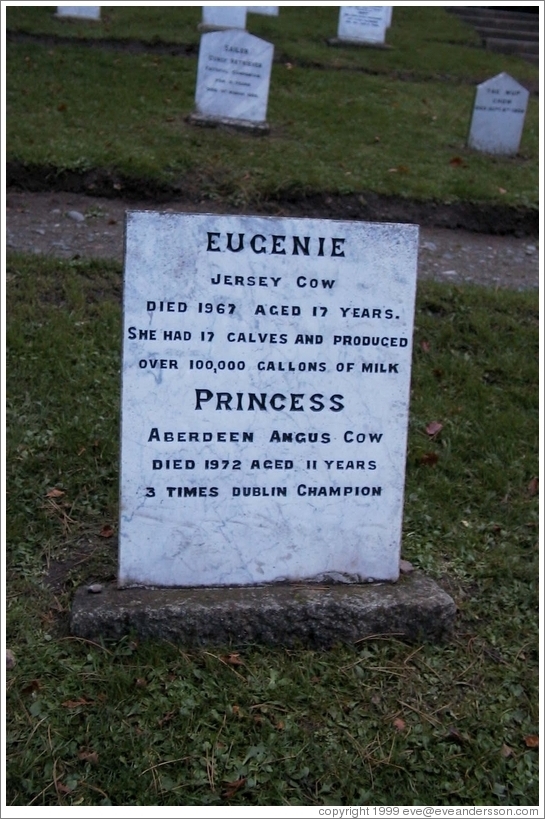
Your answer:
<point x="84" y="12"/>
<point x="233" y="78"/>
<point x="498" y="115"/>
<point x="362" y="24"/>
<point x="271" y="11"/>
<point x="266" y="375"/>
<point x="221" y="17"/>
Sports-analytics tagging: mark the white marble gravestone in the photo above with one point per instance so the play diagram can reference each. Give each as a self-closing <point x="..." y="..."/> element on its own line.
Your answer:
<point x="223" y="17"/>
<point x="233" y="76"/>
<point x="498" y="115"/>
<point x="83" y="12"/>
<point x="362" y="24"/>
<point x="265" y="395"/>
<point x="388" y="15"/>
<point x="271" y="11"/>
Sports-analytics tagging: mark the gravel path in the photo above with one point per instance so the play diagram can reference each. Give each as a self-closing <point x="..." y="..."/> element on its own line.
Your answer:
<point x="68" y="225"/>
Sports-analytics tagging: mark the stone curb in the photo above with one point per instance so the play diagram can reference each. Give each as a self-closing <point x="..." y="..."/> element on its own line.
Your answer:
<point x="413" y="609"/>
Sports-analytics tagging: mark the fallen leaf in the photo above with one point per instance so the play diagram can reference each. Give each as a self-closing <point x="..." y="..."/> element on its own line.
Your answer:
<point x="55" y="493"/>
<point x="502" y="190"/>
<point x="399" y="724"/>
<point x="434" y="428"/>
<point x="31" y="687"/>
<point x="76" y="703"/>
<point x="456" y="162"/>
<point x="506" y="751"/>
<point x="232" y="659"/>
<point x="167" y="718"/>
<point x="533" y="486"/>
<point x="454" y="735"/>
<point x="63" y="788"/>
<point x="405" y="567"/>
<point x="280" y="725"/>
<point x="10" y="659"/>
<point x="89" y="756"/>
<point x="140" y="682"/>
<point x="106" y="531"/>
<point x="425" y="346"/>
<point x="531" y="741"/>
<point x="232" y="787"/>
<point x="61" y="106"/>
<point x="429" y="459"/>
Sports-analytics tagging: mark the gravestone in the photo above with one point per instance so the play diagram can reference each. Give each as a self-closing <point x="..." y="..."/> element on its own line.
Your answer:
<point x="82" y="12"/>
<point x="388" y="16"/>
<point x="215" y="18"/>
<point x="271" y="11"/>
<point x="498" y="115"/>
<point x="362" y="25"/>
<point x="233" y="78"/>
<point x="265" y="393"/>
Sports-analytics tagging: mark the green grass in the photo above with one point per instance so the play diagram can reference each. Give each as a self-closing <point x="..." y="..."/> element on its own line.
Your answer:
<point x="426" y="42"/>
<point x="80" y="109"/>
<point x="379" y="723"/>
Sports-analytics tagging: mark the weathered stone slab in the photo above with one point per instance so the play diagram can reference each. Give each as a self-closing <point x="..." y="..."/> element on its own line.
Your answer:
<point x="216" y="18"/>
<point x="498" y="115"/>
<point x="266" y="378"/>
<point x="363" y="24"/>
<point x="414" y="609"/>
<point x="270" y="11"/>
<point x="233" y="77"/>
<point x="80" y="12"/>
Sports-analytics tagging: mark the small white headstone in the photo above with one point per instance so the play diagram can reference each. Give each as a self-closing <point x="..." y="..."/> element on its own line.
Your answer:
<point x="498" y="115"/>
<point x="84" y="12"/>
<point x="362" y="24"/>
<point x="266" y="377"/>
<point x="271" y="11"/>
<point x="220" y="17"/>
<point x="233" y="76"/>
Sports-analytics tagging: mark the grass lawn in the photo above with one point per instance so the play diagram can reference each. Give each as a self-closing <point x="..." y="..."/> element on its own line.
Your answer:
<point x="379" y="723"/>
<point x="341" y="119"/>
<point x="427" y="42"/>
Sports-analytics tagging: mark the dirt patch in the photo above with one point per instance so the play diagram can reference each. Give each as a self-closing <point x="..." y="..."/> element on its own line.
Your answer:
<point x="71" y="225"/>
<point x="367" y="206"/>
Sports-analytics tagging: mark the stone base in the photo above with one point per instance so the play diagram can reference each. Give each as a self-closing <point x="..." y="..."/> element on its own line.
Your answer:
<point x="413" y="609"/>
<point x="336" y="41"/>
<point x="205" y="28"/>
<point x="258" y="128"/>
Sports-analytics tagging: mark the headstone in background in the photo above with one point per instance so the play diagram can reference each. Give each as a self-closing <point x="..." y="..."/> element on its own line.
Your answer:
<point x="233" y="77"/>
<point x="266" y="377"/>
<point x="83" y="12"/>
<point x="216" y="18"/>
<point x="271" y="11"/>
<point x="498" y="115"/>
<point x="363" y="25"/>
<point x="388" y="15"/>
